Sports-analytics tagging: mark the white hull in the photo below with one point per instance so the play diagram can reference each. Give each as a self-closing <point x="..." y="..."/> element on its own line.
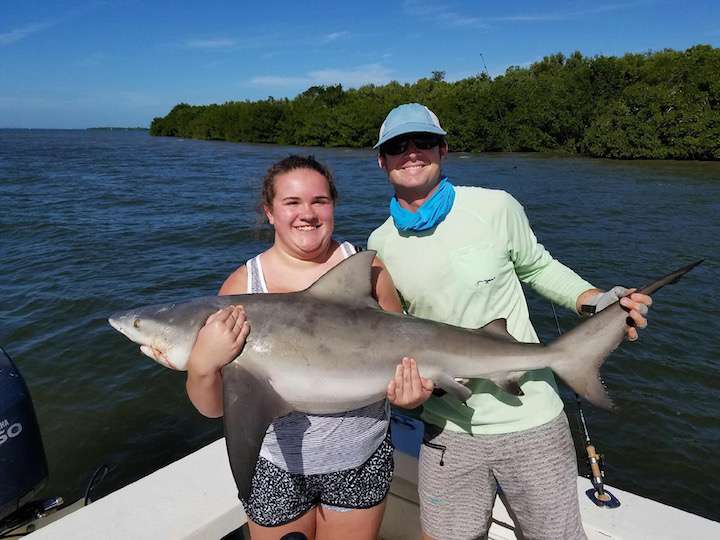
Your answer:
<point x="195" y="498"/>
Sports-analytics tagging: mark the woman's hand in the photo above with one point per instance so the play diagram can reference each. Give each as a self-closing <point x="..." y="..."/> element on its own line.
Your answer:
<point x="408" y="389"/>
<point x="220" y="341"/>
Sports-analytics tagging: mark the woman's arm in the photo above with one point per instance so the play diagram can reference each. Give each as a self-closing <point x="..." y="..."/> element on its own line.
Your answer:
<point x="407" y="389"/>
<point x="383" y="288"/>
<point x="218" y="342"/>
<point x="236" y="283"/>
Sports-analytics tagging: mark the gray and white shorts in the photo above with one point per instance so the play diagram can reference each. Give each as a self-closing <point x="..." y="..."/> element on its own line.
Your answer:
<point x="278" y="497"/>
<point x="536" y="469"/>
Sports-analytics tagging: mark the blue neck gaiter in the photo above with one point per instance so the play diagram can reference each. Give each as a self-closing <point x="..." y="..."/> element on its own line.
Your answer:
<point x="432" y="212"/>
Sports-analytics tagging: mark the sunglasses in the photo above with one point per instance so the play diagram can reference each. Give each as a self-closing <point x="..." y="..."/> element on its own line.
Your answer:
<point x="399" y="145"/>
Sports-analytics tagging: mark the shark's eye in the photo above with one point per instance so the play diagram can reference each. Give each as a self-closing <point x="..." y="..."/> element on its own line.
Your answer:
<point x="136" y="323"/>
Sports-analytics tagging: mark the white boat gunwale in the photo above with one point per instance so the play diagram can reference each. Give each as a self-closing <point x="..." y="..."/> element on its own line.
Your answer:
<point x="195" y="498"/>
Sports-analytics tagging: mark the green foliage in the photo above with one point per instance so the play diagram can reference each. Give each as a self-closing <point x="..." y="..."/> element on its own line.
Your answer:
<point x="662" y="105"/>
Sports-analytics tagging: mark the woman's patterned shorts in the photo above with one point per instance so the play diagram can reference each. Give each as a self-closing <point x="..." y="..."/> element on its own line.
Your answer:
<point x="278" y="497"/>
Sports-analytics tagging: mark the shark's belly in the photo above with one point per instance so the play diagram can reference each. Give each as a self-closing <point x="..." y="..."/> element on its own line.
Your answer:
<point x="323" y="393"/>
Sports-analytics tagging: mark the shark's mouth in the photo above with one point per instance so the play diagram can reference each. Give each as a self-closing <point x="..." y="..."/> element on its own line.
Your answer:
<point x="162" y="358"/>
<point x="152" y="352"/>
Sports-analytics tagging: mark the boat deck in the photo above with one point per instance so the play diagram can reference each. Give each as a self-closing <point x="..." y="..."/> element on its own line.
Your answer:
<point x="195" y="498"/>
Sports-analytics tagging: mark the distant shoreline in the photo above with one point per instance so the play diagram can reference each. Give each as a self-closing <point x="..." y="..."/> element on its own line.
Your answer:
<point x="75" y="129"/>
<point x="117" y="129"/>
<point x="656" y="105"/>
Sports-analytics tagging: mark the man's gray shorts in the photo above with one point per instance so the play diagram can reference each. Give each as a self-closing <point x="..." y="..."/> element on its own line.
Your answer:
<point x="536" y="470"/>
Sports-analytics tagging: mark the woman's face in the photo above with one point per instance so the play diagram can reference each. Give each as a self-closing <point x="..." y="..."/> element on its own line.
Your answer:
<point x="302" y="213"/>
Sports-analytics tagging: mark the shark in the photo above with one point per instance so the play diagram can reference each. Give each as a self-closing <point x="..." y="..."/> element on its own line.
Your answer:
<point x="330" y="348"/>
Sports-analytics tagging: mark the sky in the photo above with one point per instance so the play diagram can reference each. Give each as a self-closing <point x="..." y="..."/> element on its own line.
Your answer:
<point x="77" y="64"/>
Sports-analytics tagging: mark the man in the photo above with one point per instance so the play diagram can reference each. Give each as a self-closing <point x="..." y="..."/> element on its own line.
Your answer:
<point x="458" y="255"/>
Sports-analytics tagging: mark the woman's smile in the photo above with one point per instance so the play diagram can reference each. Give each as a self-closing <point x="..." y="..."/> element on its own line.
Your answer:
<point x="302" y="213"/>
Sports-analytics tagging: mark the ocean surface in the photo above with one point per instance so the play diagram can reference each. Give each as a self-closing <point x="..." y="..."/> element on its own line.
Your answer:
<point x="92" y="222"/>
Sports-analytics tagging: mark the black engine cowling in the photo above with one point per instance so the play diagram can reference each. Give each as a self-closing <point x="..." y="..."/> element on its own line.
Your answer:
<point x="23" y="466"/>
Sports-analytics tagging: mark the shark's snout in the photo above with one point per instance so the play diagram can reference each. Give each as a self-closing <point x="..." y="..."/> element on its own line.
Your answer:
<point x="128" y="325"/>
<point x="149" y="335"/>
<point x="115" y="324"/>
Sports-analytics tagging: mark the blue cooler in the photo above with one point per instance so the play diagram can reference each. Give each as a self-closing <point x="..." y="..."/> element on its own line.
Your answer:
<point x="406" y="433"/>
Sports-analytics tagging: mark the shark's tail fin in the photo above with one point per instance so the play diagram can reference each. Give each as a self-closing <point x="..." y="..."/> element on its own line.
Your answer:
<point x="672" y="277"/>
<point x="579" y="353"/>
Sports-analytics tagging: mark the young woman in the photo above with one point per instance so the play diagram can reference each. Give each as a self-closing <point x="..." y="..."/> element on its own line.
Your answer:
<point x="323" y="475"/>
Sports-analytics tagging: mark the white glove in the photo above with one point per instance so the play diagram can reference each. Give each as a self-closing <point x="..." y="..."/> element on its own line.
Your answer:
<point x="602" y="300"/>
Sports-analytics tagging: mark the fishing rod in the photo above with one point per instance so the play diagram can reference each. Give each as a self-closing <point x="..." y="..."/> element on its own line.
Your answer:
<point x="598" y="494"/>
<point x="500" y="116"/>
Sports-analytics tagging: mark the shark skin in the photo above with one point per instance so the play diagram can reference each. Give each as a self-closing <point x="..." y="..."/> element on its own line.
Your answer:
<point x="330" y="348"/>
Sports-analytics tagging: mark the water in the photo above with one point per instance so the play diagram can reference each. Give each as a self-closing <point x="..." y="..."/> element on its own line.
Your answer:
<point x="94" y="222"/>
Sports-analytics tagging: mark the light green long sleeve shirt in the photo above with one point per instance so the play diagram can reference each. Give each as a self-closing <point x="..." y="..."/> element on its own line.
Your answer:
<point x="467" y="271"/>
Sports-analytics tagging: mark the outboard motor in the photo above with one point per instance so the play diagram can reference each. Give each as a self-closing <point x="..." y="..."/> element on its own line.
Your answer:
<point x="23" y="466"/>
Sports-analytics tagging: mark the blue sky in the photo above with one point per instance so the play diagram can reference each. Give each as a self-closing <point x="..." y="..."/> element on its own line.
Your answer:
<point x="121" y="63"/>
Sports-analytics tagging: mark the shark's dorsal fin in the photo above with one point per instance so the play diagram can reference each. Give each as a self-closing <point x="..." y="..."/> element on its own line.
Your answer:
<point x="347" y="283"/>
<point x="498" y="329"/>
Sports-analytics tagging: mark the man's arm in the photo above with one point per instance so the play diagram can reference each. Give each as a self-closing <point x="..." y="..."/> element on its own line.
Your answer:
<point x="535" y="266"/>
<point x="407" y="389"/>
<point x="552" y="279"/>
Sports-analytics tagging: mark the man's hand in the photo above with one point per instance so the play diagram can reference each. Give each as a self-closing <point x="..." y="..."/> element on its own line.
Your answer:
<point x="408" y="389"/>
<point x="635" y="304"/>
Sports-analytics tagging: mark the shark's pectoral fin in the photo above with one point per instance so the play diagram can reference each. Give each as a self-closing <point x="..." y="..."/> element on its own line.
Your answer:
<point x="509" y="382"/>
<point x="452" y="387"/>
<point x="250" y="405"/>
<point x="497" y="329"/>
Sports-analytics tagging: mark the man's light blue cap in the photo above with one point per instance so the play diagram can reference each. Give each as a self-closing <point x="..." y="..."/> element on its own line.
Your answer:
<point x="409" y="118"/>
